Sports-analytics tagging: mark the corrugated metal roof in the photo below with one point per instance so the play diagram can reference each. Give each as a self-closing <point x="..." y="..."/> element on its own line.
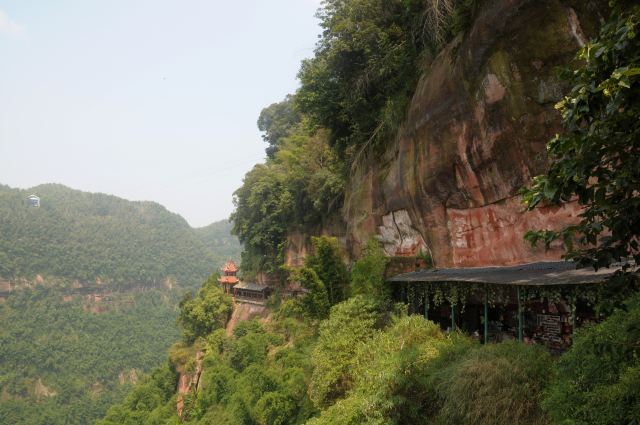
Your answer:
<point x="531" y="274"/>
<point x="250" y="286"/>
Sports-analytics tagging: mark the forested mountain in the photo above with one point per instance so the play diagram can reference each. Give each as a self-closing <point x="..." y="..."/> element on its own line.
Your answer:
<point x="75" y="235"/>
<point x="67" y="353"/>
<point x="217" y="237"/>
<point x="64" y="359"/>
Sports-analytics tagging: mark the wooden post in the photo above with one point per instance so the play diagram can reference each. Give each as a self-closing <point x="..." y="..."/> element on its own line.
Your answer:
<point x="453" y="317"/>
<point x="520" y="324"/>
<point x="426" y="306"/>
<point x="574" y="318"/>
<point x="486" y="315"/>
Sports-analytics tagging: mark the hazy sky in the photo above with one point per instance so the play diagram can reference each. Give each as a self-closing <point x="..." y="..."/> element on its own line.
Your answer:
<point x="145" y="99"/>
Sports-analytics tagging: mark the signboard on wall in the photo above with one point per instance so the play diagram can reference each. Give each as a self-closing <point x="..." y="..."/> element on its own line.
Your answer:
<point x="550" y="327"/>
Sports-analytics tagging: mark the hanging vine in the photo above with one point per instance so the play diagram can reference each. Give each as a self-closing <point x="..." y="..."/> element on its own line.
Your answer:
<point x="462" y="294"/>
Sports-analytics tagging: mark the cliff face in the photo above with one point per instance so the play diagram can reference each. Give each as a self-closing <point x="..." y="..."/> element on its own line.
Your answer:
<point x="475" y="134"/>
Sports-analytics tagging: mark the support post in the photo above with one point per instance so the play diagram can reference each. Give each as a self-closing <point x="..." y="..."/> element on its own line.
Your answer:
<point x="520" y="324"/>
<point x="453" y="317"/>
<point x="574" y="318"/>
<point x="426" y="306"/>
<point x="486" y="315"/>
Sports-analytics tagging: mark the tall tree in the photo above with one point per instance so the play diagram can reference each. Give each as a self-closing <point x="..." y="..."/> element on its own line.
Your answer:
<point x="276" y="121"/>
<point x="327" y="262"/>
<point x="367" y="274"/>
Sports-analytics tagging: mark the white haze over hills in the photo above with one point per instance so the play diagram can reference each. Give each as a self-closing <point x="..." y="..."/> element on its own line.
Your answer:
<point x="146" y="100"/>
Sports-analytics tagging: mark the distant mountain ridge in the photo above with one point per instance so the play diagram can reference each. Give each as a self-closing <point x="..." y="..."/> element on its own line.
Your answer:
<point x="83" y="236"/>
<point x="218" y="238"/>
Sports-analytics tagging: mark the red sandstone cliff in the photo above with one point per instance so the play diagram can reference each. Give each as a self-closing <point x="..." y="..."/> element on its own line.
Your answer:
<point x="475" y="133"/>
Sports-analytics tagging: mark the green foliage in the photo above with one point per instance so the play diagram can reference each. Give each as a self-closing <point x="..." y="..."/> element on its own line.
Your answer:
<point x="250" y="346"/>
<point x="263" y="211"/>
<point x="149" y="403"/>
<point x="300" y="188"/>
<point x="77" y="354"/>
<point x="354" y="93"/>
<point x="350" y="323"/>
<point x="316" y="302"/>
<point x="367" y="64"/>
<point x="276" y="121"/>
<point x="207" y="311"/>
<point x="389" y="383"/>
<point x="256" y="376"/>
<point x="362" y="369"/>
<point x="84" y="236"/>
<point x="368" y="274"/>
<point x="217" y="237"/>
<point x="596" y="159"/>
<point x="411" y="372"/>
<point x="599" y="377"/>
<point x="492" y="385"/>
<point x="327" y="262"/>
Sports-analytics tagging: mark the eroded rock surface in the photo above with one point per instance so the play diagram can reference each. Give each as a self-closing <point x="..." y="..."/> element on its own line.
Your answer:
<point x="475" y="134"/>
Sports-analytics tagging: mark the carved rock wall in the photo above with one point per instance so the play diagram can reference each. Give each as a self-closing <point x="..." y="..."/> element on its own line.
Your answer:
<point x="476" y="133"/>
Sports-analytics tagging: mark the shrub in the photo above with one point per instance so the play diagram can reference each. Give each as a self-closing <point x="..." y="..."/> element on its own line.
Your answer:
<point x="599" y="377"/>
<point x="493" y="384"/>
<point x="367" y="274"/>
<point x="327" y="263"/>
<point x="207" y="311"/>
<point x="351" y="322"/>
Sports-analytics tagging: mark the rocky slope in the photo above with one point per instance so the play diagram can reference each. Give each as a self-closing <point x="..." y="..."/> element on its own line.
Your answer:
<point x="475" y="133"/>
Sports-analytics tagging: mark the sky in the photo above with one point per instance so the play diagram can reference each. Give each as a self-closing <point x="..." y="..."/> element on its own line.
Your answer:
<point x="145" y="99"/>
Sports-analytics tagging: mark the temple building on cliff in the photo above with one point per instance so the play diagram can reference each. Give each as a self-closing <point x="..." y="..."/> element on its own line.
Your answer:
<point x="229" y="277"/>
<point x="245" y="291"/>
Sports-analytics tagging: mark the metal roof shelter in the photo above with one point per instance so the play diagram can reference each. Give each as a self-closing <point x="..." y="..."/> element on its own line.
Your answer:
<point x="251" y="290"/>
<point x="546" y="273"/>
<point x="532" y="275"/>
<point x="250" y="286"/>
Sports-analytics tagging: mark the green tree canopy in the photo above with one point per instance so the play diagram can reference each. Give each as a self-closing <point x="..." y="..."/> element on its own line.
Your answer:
<point x="316" y="302"/>
<point x="207" y="311"/>
<point x="276" y="121"/>
<point x="368" y="274"/>
<point x="350" y="323"/>
<point x="326" y="261"/>
<point x="83" y="236"/>
<point x="596" y="158"/>
<point x="599" y="378"/>
<point x="300" y="188"/>
<point x="366" y="64"/>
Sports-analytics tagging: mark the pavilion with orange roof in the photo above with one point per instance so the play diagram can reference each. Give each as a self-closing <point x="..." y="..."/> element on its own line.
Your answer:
<point x="228" y="278"/>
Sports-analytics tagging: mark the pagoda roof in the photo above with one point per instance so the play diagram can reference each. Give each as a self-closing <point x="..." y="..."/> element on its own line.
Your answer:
<point x="228" y="279"/>
<point x="230" y="266"/>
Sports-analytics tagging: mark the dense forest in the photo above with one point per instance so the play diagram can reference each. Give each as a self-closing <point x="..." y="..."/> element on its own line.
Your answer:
<point x="67" y="353"/>
<point x="65" y="359"/>
<point x="363" y="360"/>
<point x="83" y="236"/>
<point x="217" y="237"/>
